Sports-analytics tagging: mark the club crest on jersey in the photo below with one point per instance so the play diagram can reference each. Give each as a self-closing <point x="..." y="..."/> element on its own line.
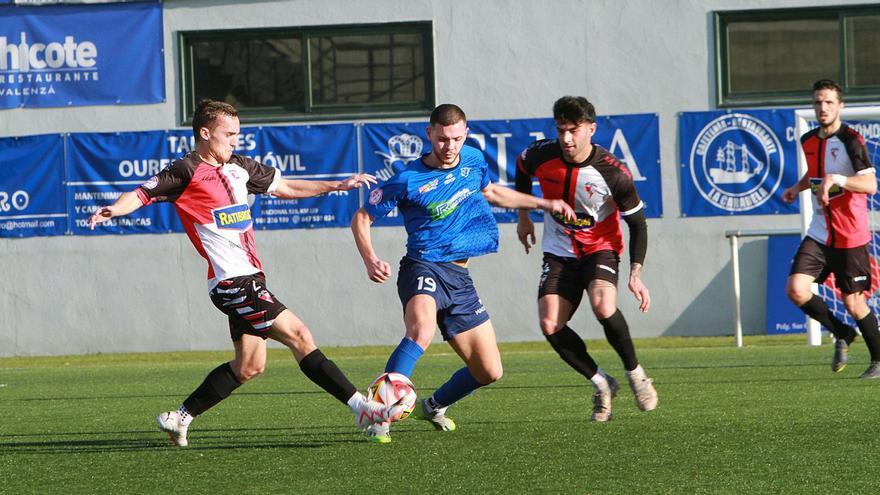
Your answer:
<point x="465" y="171"/>
<point x="594" y="193"/>
<point x="264" y="295"/>
<point x="233" y="217"/>
<point x="834" y="152"/>
<point x="376" y="196"/>
<point x="590" y="188"/>
<point x="736" y="162"/>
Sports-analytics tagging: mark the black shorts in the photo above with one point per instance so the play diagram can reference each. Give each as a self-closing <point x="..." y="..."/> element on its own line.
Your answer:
<point x="851" y="266"/>
<point x="250" y="306"/>
<point x="570" y="277"/>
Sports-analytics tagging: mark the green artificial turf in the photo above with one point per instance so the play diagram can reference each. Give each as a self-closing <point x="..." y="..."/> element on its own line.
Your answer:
<point x="766" y="418"/>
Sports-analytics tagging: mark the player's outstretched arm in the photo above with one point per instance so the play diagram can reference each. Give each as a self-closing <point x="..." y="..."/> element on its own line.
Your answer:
<point x="377" y="270"/>
<point x="508" y="198"/>
<point x="299" y="188"/>
<point x="125" y="204"/>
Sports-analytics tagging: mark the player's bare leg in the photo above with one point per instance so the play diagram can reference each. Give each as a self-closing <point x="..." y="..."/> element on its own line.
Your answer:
<point x="250" y="357"/>
<point x="289" y="330"/>
<point x="420" y="319"/>
<point x="478" y="348"/>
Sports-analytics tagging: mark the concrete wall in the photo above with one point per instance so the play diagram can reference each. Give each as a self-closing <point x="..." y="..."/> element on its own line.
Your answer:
<point x="497" y="59"/>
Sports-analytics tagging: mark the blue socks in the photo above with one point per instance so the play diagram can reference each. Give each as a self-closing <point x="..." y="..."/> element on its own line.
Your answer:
<point x="403" y="359"/>
<point x="459" y="385"/>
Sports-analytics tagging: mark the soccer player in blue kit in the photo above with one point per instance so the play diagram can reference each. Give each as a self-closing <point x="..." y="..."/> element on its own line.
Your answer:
<point x="444" y="198"/>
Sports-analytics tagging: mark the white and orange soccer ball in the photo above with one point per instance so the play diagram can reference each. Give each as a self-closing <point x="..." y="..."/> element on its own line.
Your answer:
<point x="394" y="389"/>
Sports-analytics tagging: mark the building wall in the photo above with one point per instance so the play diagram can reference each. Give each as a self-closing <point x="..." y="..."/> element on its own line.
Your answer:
<point x="497" y="59"/>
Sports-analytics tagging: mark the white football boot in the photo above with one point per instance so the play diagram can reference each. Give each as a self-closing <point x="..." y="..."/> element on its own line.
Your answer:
<point x="170" y="423"/>
<point x="643" y="390"/>
<point x="379" y="432"/>
<point x="371" y="412"/>
<point x="602" y="401"/>
<point x="436" y="417"/>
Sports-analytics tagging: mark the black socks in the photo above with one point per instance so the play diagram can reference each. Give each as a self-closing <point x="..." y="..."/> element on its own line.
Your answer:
<point x="219" y="383"/>
<point x="617" y="333"/>
<point x="868" y="327"/>
<point x="327" y="375"/>
<point x="816" y="309"/>
<point x="572" y="350"/>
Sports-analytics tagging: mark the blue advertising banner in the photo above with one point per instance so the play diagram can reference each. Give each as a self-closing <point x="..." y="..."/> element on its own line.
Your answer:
<point x="90" y="170"/>
<point x="737" y="163"/>
<point x="635" y="139"/>
<point x="101" y="166"/>
<point x="62" y="55"/>
<point x="324" y="152"/>
<point x="32" y="186"/>
<point x="104" y="165"/>
<point x="386" y="148"/>
<point x="782" y="316"/>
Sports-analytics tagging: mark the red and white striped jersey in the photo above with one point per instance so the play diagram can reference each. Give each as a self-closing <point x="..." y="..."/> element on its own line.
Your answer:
<point x="596" y="189"/>
<point x="212" y="204"/>
<point x="844" y="222"/>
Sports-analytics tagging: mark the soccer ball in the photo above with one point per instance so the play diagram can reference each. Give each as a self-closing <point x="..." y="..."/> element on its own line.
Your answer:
<point x="392" y="389"/>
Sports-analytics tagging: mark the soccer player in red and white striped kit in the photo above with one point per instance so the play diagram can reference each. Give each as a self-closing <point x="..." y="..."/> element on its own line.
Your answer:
<point x="841" y="177"/>
<point x="209" y="189"/>
<point x="584" y="254"/>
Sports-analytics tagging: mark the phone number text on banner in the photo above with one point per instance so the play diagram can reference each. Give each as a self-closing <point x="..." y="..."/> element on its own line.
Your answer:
<point x="32" y="186"/>
<point x="102" y="166"/>
<point x="62" y="55"/>
<point x="737" y="163"/>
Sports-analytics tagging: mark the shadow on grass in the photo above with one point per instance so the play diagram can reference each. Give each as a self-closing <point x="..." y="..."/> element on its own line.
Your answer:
<point x="156" y="396"/>
<point x="204" y="440"/>
<point x="430" y="387"/>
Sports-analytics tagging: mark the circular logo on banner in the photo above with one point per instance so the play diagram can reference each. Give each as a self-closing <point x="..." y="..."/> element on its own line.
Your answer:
<point x="736" y="162"/>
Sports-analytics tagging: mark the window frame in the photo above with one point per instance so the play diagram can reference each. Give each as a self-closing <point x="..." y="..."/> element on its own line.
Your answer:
<point x="725" y="99"/>
<point x="310" y="112"/>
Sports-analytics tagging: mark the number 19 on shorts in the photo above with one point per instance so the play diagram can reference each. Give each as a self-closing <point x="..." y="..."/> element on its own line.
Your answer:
<point x="427" y="283"/>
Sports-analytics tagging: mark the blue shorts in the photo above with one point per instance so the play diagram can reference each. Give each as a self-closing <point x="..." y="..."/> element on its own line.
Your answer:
<point x="458" y="306"/>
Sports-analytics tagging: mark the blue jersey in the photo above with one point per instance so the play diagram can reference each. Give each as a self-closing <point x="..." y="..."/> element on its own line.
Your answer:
<point x="446" y="216"/>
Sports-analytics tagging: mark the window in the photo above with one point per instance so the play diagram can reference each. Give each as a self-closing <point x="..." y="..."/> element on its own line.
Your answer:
<point x="325" y="73"/>
<point x="772" y="57"/>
